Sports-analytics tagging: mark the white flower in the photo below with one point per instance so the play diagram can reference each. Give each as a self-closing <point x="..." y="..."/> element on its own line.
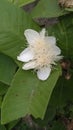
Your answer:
<point x="40" y="54"/>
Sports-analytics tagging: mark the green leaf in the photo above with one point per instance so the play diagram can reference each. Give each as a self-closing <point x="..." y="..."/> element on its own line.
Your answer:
<point x="69" y="9"/>
<point x="2" y="127"/>
<point x="28" y="95"/>
<point x="13" y="22"/>
<point x="0" y="101"/>
<point x="12" y="124"/>
<point x="21" y="2"/>
<point x="63" y="31"/>
<point x="49" y="115"/>
<point x="48" y="8"/>
<point x="62" y="94"/>
<point x="7" y="69"/>
<point x="61" y="97"/>
<point x="57" y="125"/>
<point x="3" y="88"/>
<point x="23" y="126"/>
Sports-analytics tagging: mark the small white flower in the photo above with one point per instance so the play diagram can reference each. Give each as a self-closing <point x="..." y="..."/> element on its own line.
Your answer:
<point x="40" y="54"/>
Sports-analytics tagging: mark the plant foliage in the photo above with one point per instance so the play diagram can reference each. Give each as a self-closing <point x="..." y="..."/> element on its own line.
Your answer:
<point x="21" y="93"/>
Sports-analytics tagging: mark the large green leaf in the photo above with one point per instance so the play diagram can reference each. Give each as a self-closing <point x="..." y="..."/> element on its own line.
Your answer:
<point x="21" y="2"/>
<point x="3" y="88"/>
<point x="13" y="22"/>
<point x="63" y="31"/>
<point x="7" y="69"/>
<point x="0" y="101"/>
<point x="62" y="95"/>
<point x="48" y="8"/>
<point x="28" y="95"/>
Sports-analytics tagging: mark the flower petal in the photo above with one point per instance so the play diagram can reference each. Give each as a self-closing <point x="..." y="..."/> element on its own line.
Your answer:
<point x="50" y="39"/>
<point x="57" y="58"/>
<point x="29" y="65"/>
<point x="44" y="73"/>
<point x="42" y="33"/>
<point x="25" y="56"/>
<point x="31" y="35"/>
<point x="56" y="50"/>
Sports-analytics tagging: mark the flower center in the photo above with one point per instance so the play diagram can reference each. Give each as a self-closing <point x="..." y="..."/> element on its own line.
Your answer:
<point x="42" y="54"/>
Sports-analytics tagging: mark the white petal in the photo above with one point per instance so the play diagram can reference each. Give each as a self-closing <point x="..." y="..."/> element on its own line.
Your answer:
<point x="43" y="73"/>
<point x="25" y="56"/>
<point x="31" y="35"/>
<point x="57" y="58"/>
<point x="50" y="40"/>
<point x="42" y="33"/>
<point x="29" y="65"/>
<point x="56" y="50"/>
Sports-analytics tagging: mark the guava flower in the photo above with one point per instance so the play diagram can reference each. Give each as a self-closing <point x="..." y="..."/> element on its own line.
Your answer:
<point x="41" y="53"/>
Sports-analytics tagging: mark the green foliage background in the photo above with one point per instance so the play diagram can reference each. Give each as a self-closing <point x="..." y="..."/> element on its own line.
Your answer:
<point x="21" y="93"/>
